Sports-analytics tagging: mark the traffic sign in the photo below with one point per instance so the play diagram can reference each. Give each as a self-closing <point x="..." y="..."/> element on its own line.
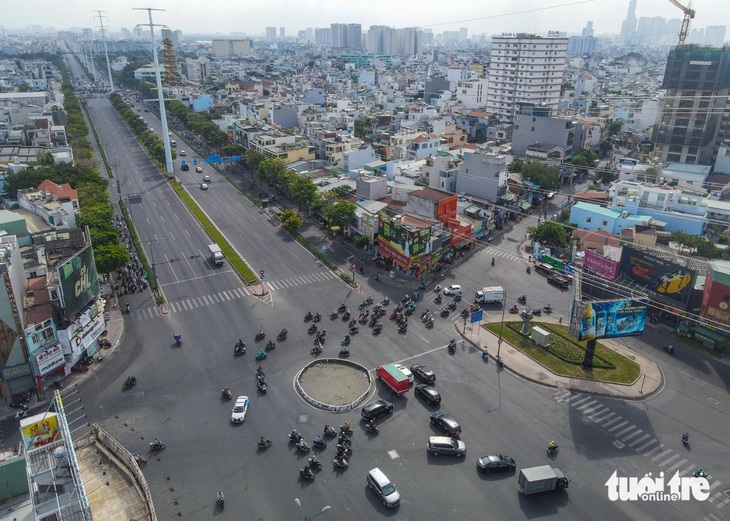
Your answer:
<point x="261" y="272"/>
<point x="324" y="248"/>
<point x="353" y="268"/>
<point x="261" y="276"/>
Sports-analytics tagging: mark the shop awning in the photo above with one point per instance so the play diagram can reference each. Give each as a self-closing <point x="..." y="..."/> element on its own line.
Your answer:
<point x="709" y="333"/>
<point x="524" y="205"/>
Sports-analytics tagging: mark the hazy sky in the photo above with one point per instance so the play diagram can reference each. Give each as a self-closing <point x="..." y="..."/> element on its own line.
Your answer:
<point x="252" y="17"/>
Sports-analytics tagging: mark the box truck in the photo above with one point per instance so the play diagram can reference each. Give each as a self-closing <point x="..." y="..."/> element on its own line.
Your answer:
<point x="216" y="255"/>
<point x="393" y="378"/>
<point x="489" y="295"/>
<point x="545" y="478"/>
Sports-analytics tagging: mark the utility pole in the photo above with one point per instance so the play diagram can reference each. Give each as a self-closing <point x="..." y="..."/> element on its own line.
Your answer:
<point x="106" y="53"/>
<point x="160" y="95"/>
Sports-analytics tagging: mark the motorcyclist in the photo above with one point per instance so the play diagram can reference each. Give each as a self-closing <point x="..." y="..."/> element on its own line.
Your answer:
<point x="239" y="343"/>
<point x="685" y="437"/>
<point x="130" y="380"/>
<point x="371" y="425"/>
<point x="284" y="332"/>
<point x="226" y="391"/>
<point x="492" y="261"/>
<point x="129" y="309"/>
<point x="295" y="435"/>
<point x="264" y="441"/>
<point x="318" y="439"/>
<point x="157" y="442"/>
<point x="301" y="443"/>
<point x="221" y="498"/>
<point x="259" y="371"/>
<point x="552" y="446"/>
<point x="346" y="426"/>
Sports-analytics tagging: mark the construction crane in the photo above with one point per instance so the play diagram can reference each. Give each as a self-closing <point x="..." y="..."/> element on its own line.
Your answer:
<point x="689" y="14"/>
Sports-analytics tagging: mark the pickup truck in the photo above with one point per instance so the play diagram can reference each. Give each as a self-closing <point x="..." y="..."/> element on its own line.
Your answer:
<point x="544" y="478"/>
<point x="393" y="378"/>
<point x="489" y="295"/>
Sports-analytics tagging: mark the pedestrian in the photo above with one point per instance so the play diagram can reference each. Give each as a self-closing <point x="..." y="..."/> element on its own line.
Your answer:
<point x="560" y="320"/>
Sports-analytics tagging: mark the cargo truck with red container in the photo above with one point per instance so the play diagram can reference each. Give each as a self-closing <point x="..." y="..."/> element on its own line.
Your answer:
<point x="393" y="378"/>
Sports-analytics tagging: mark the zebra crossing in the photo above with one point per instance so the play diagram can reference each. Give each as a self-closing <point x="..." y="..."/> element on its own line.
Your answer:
<point x="628" y="434"/>
<point x="495" y="252"/>
<point x="301" y="280"/>
<point x="187" y="304"/>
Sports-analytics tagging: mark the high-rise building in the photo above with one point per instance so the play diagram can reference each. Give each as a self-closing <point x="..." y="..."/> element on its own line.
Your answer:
<point x="228" y="48"/>
<point x="628" y="27"/>
<point x="463" y="34"/>
<point x="408" y="41"/>
<point x="525" y="67"/>
<point x="715" y="35"/>
<point x="380" y="39"/>
<point x="651" y="30"/>
<point x="271" y="33"/>
<point x="346" y="36"/>
<point x="282" y="33"/>
<point x="323" y="37"/>
<point x="697" y="82"/>
<point x="588" y="29"/>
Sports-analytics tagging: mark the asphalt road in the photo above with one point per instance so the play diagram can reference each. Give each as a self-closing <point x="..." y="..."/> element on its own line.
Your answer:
<point x="178" y="395"/>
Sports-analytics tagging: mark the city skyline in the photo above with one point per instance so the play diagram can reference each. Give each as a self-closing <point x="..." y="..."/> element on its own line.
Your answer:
<point x="219" y="18"/>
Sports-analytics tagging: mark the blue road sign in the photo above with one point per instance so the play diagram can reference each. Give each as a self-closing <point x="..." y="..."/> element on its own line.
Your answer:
<point x="324" y="248"/>
<point x="195" y="161"/>
<point x="213" y="159"/>
<point x="261" y="277"/>
<point x="476" y="316"/>
<point x="235" y="159"/>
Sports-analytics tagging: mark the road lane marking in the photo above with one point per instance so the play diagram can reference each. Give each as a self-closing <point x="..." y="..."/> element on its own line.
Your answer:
<point x="618" y="426"/>
<point x="627" y="429"/>
<point x="660" y="456"/>
<point x="676" y="465"/>
<point x="639" y="440"/>
<point x="606" y="424"/>
<point x="627" y="438"/>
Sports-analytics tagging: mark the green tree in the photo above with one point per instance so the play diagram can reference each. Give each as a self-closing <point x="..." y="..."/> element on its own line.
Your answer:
<point x="548" y="177"/>
<point x="103" y="236"/>
<point x="584" y="157"/>
<point x="341" y="214"/>
<point x="270" y="170"/>
<point x="290" y="220"/>
<point x="515" y="166"/>
<point x="24" y="87"/>
<point x="253" y="159"/>
<point x="110" y="257"/>
<point x="652" y="173"/>
<point x="606" y="147"/>
<point x="549" y="232"/>
<point x="95" y="215"/>
<point x="614" y="127"/>
<point x="303" y="190"/>
<point x="362" y="241"/>
<point x="232" y="150"/>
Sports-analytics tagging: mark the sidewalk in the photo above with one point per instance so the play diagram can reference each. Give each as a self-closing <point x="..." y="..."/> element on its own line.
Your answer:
<point x="650" y="379"/>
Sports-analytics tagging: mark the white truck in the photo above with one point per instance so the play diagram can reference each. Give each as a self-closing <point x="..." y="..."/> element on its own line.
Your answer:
<point x="216" y="255"/>
<point x="541" y="479"/>
<point x="489" y="295"/>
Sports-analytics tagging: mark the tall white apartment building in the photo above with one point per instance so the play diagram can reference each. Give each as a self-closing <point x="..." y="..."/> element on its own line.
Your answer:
<point x="525" y="67"/>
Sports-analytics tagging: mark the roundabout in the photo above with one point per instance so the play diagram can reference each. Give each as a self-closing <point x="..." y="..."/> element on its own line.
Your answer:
<point x="333" y="384"/>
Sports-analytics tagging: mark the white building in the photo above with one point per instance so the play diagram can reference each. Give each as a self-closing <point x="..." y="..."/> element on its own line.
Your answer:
<point x="230" y="48"/>
<point x="472" y="93"/>
<point x="525" y="68"/>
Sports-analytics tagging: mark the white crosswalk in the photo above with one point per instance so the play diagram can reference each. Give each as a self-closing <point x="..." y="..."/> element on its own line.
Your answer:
<point x="191" y="303"/>
<point x="638" y="440"/>
<point x="495" y="252"/>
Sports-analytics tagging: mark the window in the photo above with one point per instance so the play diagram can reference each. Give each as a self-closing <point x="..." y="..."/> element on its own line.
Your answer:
<point x="726" y="298"/>
<point x="588" y="219"/>
<point x="605" y="223"/>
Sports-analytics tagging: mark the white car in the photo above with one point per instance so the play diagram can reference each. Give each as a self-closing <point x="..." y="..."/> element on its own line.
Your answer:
<point x="203" y="186"/>
<point x="199" y="169"/>
<point x="406" y="372"/>
<point x="238" y="413"/>
<point x="183" y="153"/>
<point x="452" y="290"/>
<point x="206" y="179"/>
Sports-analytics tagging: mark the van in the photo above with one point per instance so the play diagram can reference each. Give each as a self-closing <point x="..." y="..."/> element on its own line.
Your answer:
<point x="381" y="485"/>
<point x="173" y="143"/>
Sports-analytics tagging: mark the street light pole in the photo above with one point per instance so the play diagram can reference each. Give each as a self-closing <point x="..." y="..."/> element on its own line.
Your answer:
<point x="504" y="303"/>
<point x="306" y="517"/>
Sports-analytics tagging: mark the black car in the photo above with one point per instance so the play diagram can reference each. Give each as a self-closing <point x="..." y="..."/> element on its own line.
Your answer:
<point x="428" y="393"/>
<point x="423" y="373"/>
<point x="496" y="463"/>
<point x="446" y="423"/>
<point x="376" y="409"/>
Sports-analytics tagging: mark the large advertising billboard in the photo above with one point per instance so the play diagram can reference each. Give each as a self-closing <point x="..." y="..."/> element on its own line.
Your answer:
<point x="40" y="430"/>
<point x="612" y="319"/>
<point x="78" y="281"/>
<point x="665" y="278"/>
<point x="595" y="264"/>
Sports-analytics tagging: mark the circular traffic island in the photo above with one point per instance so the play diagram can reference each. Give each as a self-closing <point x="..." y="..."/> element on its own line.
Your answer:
<point x="334" y="384"/>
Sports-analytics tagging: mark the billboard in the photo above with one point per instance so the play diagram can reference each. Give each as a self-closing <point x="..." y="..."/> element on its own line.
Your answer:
<point x="78" y="281"/>
<point x="49" y="359"/>
<point x="612" y="319"/>
<point x="670" y="281"/>
<point x="595" y="264"/>
<point x="40" y="430"/>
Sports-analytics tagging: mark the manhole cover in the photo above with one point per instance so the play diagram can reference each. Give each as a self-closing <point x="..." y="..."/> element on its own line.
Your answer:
<point x="393" y="454"/>
<point x="303" y="418"/>
<point x="713" y="401"/>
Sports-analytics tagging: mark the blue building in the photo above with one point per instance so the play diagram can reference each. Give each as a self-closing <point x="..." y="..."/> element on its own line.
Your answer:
<point x="592" y="217"/>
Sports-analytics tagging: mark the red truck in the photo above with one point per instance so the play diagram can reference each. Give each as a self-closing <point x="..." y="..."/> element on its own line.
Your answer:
<point x="393" y="378"/>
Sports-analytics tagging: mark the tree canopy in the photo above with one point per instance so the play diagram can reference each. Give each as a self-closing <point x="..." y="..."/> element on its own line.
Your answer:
<point x="550" y="233"/>
<point x="341" y="213"/>
<point x="548" y="177"/>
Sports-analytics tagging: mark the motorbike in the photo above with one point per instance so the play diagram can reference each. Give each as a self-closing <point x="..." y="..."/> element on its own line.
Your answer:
<point x="354" y="329"/>
<point x="529" y="270"/>
<point x="452" y="346"/>
<point x="302" y="446"/>
<point x="437" y="288"/>
<point x="522" y="299"/>
<point x="363" y="319"/>
<point x="500" y="362"/>
<point x="329" y="431"/>
<point x="464" y="313"/>
<point x="261" y="355"/>
<point x="377" y="328"/>
<point x="344" y="352"/>
<point x="346" y="316"/>
<point x="129" y="382"/>
<point x="261" y="384"/>
<point x="393" y="315"/>
<point x="334" y="314"/>
<point x="485" y="356"/>
<point x="369" y="300"/>
<point x="226" y="393"/>
<point x="551" y="451"/>
<point x="221" y="499"/>
<point x="377" y="277"/>
<point x="16" y="405"/>
<point x="345" y="450"/>
<point x="22" y="413"/>
<point x="312" y="329"/>
<point x="346" y="340"/>
<point x="342" y="307"/>
<point x="306" y="473"/>
<point x="178" y="339"/>
<point x="537" y="312"/>
<point x="314" y="463"/>
<point x="141" y="462"/>
<point x="386" y="301"/>
<point x="492" y="261"/>
<point x="319" y="444"/>
<point x="295" y="436"/>
<point x="452" y="306"/>
<point x="78" y="368"/>
<point x="373" y="320"/>
<point x="402" y="329"/>
<point x="265" y="444"/>
<point x="457" y="298"/>
<point x="438" y="300"/>
<point x="352" y="323"/>
<point x="317" y="349"/>
<point x="317" y="317"/>
<point x="157" y="445"/>
<point x="104" y="343"/>
<point x="429" y="322"/>
<point x="547" y="308"/>
<point x="699" y="473"/>
<point x="341" y="463"/>
<point x="514" y="309"/>
<point x="372" y="428"/>
<point x="445" y="312"/>
<point x="260" y="335"/>
<point x="270" y="345"/>
<point x="308" y="316"/>
<point x="669" y="348"/>
<point x="283" y="334"/>
<point x="685" y="439"/>
<point x="347" y="430"/>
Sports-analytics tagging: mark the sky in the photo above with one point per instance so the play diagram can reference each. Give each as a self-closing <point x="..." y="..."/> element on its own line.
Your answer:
<point x="478" y="16"/>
